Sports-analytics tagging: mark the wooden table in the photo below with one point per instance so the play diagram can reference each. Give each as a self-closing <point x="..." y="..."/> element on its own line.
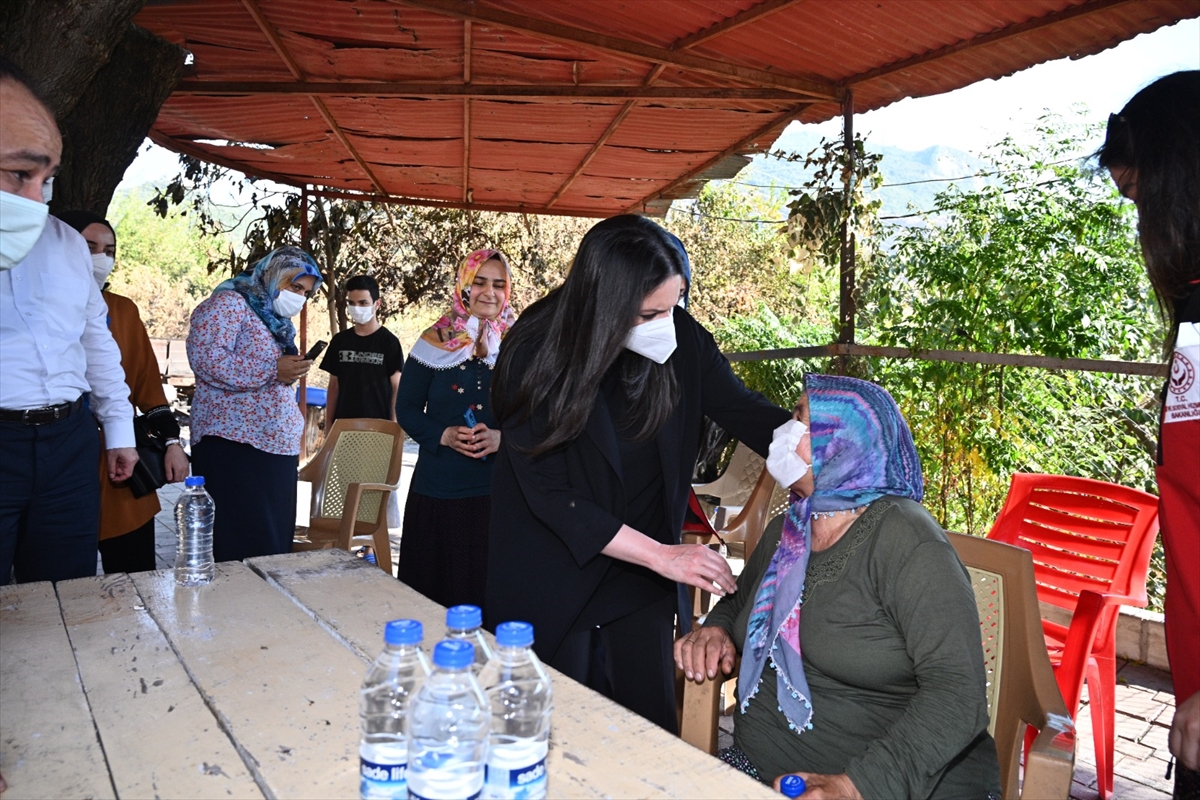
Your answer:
<point x="127" y="686"/>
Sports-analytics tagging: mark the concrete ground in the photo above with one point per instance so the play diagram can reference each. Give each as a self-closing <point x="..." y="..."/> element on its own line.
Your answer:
<point x="1145" y="704"/>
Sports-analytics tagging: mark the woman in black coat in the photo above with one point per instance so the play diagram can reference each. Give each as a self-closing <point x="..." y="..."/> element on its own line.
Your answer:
<point x="600" y="391"/>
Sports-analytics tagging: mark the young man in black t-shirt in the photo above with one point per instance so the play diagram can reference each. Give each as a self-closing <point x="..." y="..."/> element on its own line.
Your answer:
<point x="364" y="362"/>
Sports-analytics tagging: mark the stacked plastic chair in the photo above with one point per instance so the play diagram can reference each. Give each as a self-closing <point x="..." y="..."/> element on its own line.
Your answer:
<point x="1091" y="543"/>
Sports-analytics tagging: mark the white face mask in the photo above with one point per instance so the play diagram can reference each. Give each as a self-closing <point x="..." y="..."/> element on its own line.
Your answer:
<point x="21" y="224"/>
<point x="102" y="265"/>
<point x="361" y="315"/>
<point x="288" y="304"/>
<point x="655" y="339"/>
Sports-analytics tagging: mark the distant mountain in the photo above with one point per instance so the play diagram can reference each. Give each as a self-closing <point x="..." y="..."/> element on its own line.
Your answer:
<point x="898" y="167"/>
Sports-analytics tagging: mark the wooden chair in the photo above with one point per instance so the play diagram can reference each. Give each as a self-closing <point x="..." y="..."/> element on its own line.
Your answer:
<point x="1091" y="543"/>
<point x="1021" y="689"/>
<point x="352" y="475"/>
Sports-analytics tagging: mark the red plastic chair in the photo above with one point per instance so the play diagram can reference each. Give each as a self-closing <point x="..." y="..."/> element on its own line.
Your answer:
<point x="1091" y="544"/>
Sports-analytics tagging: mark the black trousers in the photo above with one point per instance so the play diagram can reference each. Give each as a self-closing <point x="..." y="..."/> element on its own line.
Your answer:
<point x="49" y="499"/>
<point x="255" y="497"/>
<point x="129" y="552"/>
<point x="629" y="660"/>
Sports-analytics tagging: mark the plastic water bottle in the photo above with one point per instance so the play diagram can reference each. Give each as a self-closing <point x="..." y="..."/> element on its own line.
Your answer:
<point x="194" y="512"/>
<point x="383" y="704"/>
<point x="465" y="624"/>
<point x="792" y="786"/>
<point x="448" y="726"/>
<point x="519" y="693"/>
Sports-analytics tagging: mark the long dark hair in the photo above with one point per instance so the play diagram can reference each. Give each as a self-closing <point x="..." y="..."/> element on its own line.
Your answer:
<point x="1157" y="134"/>
<point x="570" y="339"/>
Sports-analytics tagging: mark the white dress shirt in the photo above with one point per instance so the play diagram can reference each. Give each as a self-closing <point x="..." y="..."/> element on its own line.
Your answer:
<point x="54" y="338"/>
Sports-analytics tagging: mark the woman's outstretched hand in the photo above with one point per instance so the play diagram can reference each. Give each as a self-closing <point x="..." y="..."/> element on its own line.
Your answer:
<point x="702" y="651"/>
<point x="696" y="565"/>
<point x="693" y="564"/>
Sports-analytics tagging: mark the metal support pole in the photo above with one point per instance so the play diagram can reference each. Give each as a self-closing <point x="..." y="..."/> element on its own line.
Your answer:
<point x="303" y="400"/>
<point x="846" y="266"/>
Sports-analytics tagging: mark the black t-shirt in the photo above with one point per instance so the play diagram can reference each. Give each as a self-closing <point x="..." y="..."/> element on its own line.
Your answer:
<point x="364" y="366"/>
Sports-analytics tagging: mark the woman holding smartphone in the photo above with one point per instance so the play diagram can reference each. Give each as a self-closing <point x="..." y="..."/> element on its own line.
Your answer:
<point x="444" y="404"/>
<point x="246" y="425"/>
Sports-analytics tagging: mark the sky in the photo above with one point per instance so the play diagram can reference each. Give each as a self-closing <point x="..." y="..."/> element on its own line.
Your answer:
<point x="971" y="118"/>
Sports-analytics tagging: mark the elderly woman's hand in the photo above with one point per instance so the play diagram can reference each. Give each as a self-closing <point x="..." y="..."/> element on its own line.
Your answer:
<point x="704" y="649"/>
<point x="289" y="369"/>
<point x="825" y="787"/>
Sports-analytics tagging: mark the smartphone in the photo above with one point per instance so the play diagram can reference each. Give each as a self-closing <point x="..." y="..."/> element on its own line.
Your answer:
<point x="469" y="418"/>
<point x="315" y="350"/>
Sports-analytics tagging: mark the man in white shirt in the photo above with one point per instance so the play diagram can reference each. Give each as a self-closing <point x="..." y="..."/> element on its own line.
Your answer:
<point x="54" y="348"/>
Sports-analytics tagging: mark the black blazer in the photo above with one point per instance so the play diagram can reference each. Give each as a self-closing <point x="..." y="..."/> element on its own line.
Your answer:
<point x="552" y="515"/>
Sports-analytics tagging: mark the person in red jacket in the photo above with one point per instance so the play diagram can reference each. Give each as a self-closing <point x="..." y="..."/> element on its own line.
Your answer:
<point x="1152" y="151"/>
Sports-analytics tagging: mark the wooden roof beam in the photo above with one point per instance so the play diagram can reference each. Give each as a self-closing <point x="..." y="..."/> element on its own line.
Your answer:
<point x="741" y="144"/>
<point x="189" y="149"/>
<point x="759" y="11"/>
<point x="464" y="9"/>
<point x="752" y="14"/>
<point x="1069" y="13"/>
<point x="272" y="35"/>
<point x="466" y="148"/>
<point x="603" y="140"/>
<point x="483" y="91"/>
<point x="472" y="206"/>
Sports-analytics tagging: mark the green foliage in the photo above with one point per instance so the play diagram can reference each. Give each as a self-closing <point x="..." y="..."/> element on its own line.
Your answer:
<point x="839" y="194"/>
<point x="781" y="380"/>
<point x="734" y="265"/>
<point x="1044" y="262"/>
<point x="161" y="264"/>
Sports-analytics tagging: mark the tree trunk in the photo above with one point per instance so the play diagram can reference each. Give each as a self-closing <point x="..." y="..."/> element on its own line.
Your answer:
<point x="61" y="44"/>
<point x="102" y="134"/>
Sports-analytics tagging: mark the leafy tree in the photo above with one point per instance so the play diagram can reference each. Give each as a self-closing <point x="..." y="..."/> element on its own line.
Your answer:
<point x="161" y="264"/>
<point x="1043" y="261"/>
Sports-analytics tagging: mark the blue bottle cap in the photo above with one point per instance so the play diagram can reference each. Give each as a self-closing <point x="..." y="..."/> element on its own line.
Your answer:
<point x="403" y="631"/>
<point x="461" y="618"/>
<point x="792" y="786"/>
<point x="514" y="634"/>
<point x="454" y="654"/>
<point x="193" y="480"/>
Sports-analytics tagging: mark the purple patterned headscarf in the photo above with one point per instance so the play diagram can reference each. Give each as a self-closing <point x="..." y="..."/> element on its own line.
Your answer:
<point x="862" y="450"/>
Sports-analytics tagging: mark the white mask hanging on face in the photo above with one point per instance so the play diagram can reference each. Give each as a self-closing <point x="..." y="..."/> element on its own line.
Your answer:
<point x="288" y="304"/>
<point x="102" y="265"/>
<point x="655" y="339"/>
<point x="21" y="224"/>
<point x="361" y="315"/>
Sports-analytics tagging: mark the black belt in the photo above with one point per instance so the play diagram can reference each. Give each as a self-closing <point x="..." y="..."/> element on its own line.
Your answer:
<point x="41" y="416"/>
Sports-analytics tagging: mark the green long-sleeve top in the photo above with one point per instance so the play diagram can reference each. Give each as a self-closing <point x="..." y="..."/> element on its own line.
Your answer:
<point x="889" y="634"/>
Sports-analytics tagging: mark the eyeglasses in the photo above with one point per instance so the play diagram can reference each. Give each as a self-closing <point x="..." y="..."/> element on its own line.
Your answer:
<point x="298" y="288"/>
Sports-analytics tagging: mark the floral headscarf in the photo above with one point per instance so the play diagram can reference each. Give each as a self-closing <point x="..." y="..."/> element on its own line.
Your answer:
<point x="455" y="337"/>
<point x="862" y="450"/>
<point x="259" y="286"/>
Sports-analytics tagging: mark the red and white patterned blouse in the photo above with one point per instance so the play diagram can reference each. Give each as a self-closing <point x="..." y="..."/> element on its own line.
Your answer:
<point x="237" y="394"/>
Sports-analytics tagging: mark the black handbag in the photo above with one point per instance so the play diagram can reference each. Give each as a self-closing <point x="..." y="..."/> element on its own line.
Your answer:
<point x="150" y="471"/>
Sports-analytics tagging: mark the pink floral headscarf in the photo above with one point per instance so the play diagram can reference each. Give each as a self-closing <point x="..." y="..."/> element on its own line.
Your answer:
<point x="459" y="334"/>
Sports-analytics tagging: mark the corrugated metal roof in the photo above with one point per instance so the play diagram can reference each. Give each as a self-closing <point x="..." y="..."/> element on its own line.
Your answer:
<point x="576" y="106"/>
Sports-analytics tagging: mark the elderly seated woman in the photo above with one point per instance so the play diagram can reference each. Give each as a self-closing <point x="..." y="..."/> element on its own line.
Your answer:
<point x="877" y="689"/>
